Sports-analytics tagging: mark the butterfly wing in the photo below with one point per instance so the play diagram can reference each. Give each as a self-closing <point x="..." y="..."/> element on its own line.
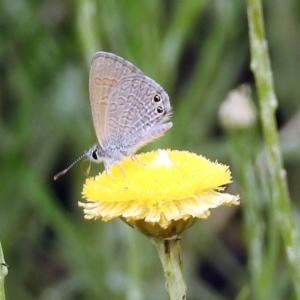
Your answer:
<point x="137" y="110"/>
<point x="106" y="71"/>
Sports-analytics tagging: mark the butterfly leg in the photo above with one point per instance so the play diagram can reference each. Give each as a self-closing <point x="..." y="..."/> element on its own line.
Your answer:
<point x="124" y="174"/>
<point x="134" y="158"/>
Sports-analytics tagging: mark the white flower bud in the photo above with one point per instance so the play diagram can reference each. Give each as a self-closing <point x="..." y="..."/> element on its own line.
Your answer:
<point x="238" y="111"/>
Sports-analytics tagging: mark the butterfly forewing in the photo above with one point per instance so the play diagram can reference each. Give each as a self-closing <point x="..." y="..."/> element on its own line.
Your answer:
<point x="106" y="71"/>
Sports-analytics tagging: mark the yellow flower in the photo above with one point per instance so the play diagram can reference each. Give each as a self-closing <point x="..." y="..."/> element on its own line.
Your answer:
<point x="161" y="193"/>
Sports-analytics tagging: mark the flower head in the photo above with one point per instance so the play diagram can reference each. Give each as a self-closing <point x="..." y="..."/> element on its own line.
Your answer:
<point x="161" y="193"/>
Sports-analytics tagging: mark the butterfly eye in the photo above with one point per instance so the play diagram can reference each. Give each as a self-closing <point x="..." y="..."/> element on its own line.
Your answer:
<point x="156" y="98"/>
<point x="159" y="110"/>
<point x="95" y="154"/>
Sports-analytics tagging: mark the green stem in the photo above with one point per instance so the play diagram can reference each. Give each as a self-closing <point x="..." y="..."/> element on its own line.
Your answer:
<point x="260" y="64"/>
<point x="85" y="21"/>
<point x="3" y="273"/>
<point x="169" y="254"/>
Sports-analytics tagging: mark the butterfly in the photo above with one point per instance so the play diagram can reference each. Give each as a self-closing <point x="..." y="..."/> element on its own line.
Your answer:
<point x="129" y="110"/>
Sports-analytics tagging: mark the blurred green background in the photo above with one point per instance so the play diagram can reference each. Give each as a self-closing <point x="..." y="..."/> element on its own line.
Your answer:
<point x="198" y="51"/>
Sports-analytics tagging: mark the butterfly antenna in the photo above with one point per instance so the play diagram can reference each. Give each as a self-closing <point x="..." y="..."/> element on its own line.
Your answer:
<point x="68" y="168"/>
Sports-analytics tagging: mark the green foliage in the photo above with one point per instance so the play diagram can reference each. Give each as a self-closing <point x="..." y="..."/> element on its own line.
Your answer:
<point x="198" y="51"/>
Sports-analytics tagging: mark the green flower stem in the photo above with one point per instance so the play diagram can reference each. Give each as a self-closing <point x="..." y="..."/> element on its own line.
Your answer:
<point x="262" y="252"/>
<point x="3" y="273"/>
<point x="262" y="239"/>
<point x="169" y="254"/>
<point x="260" y="64"/>
<point x="86" y="24"/>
